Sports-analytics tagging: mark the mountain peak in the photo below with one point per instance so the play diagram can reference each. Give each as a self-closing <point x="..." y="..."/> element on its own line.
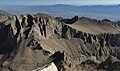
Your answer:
<point x="31" y="42"/>
<point x="5" y="16"/>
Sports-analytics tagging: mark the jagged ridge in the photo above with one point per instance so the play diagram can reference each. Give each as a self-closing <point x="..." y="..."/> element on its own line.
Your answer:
<point x="35" y="40"/>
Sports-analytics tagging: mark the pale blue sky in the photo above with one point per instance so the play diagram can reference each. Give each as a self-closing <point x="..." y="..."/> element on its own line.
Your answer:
<point x="49" y="2"/>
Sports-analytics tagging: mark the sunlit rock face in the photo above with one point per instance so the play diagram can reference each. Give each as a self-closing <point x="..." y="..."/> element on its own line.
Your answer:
<point x="50" y="67"/>
<point x="29" y="41"/>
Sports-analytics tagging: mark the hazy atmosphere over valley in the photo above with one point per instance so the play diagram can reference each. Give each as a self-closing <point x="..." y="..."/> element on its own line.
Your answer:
<point x="59" y="35"/>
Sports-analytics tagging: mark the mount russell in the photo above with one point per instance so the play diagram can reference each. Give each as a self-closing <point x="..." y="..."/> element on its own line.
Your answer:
<point x="41" y="42"/>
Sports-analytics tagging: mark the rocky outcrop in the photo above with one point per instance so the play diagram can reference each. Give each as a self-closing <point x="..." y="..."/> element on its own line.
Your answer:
<point x="70" y="21"/>
<point x="5" y="16"/>
<point x="32" y="41"/>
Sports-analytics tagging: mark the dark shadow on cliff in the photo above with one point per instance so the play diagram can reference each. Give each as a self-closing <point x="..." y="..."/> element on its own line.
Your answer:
<point x="70" y="21"/>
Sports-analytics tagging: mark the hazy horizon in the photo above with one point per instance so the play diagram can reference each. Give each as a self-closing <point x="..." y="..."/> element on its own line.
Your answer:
<point x="94" y="8"/>
<point x="65" y="4"/>
<point x="53" y="2"/>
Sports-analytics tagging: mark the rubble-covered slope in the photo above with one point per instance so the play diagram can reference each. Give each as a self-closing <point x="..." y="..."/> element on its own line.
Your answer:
<point x="32" y="41"/>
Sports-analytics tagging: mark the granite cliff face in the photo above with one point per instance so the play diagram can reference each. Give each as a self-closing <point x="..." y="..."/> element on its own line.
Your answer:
<point x="28" y="42"/>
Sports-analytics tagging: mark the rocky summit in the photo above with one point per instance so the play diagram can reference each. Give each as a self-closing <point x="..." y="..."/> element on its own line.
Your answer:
<point x="30" y="42"/>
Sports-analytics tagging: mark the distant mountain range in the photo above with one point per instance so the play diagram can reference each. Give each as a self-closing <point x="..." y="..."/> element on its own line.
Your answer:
<point x="97" y="11"/>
